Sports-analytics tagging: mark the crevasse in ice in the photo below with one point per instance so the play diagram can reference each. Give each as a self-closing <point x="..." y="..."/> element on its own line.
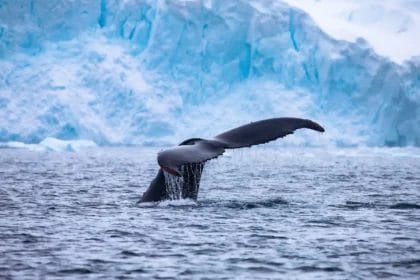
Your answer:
<point x="154" y="72"/>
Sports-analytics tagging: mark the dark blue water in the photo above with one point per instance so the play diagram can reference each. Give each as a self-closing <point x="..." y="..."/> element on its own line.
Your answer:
<point x="262" y="213"/>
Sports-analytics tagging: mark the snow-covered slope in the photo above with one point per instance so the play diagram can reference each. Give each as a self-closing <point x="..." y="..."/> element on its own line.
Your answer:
<point x="152" y="72"/>
<point x="391" y="27"/>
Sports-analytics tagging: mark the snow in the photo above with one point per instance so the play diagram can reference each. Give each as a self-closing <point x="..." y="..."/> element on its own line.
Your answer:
<point x="156" y="72"/>
<point x="391" y="27"/>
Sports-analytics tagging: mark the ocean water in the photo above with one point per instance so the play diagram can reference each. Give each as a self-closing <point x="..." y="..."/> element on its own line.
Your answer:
<point x="265" y="212"/>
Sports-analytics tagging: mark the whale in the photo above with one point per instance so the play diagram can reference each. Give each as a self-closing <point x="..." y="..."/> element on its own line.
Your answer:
<point x="181" y="167"/>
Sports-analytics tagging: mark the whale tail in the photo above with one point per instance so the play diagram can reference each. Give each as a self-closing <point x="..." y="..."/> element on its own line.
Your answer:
<point x="192" y="154"/>
<point x="199" y="150"/>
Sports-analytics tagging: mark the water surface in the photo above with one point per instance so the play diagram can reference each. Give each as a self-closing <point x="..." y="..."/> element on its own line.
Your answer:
<point x="266" y="212"/>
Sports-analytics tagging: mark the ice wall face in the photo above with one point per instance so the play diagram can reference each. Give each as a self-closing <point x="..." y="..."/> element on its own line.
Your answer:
<point x="26" y="25"/>
<point x="147" y="72"/>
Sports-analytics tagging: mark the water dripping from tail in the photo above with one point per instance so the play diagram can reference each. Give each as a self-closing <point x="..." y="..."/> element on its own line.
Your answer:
<point x="185" y="186"/>
<point x="173" y="186"/>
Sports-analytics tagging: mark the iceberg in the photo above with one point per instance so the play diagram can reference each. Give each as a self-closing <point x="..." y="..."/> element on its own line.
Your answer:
<point x="52" y="144"/>
<point x="57" y="145"/>
<point x="144" y="72"/>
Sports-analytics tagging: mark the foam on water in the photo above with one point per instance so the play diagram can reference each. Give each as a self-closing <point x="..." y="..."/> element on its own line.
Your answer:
<point x="177" y="203"/>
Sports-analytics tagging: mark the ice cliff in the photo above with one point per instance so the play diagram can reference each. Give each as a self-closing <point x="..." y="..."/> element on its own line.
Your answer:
<point x="154" y="72"/>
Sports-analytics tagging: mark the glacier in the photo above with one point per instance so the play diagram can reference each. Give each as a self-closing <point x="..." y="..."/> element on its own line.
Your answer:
<point x="155" y="72"/>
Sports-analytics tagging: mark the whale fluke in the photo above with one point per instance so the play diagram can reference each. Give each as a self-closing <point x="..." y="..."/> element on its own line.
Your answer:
<point x="191" y="154"/>
<point x="264" y="131"/>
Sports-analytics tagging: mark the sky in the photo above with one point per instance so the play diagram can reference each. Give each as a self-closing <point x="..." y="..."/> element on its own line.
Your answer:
<point x="391" y="27"/>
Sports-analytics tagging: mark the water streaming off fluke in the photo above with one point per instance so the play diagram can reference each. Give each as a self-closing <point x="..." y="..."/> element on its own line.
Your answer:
<point x="185" y="186"/>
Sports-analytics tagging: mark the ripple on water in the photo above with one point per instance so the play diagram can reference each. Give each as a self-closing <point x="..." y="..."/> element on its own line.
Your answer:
<point x="77" y="271"/>
<point x="327" y="216"/>
<point x="318" y="268"/>
<point x="404" y="206"/>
